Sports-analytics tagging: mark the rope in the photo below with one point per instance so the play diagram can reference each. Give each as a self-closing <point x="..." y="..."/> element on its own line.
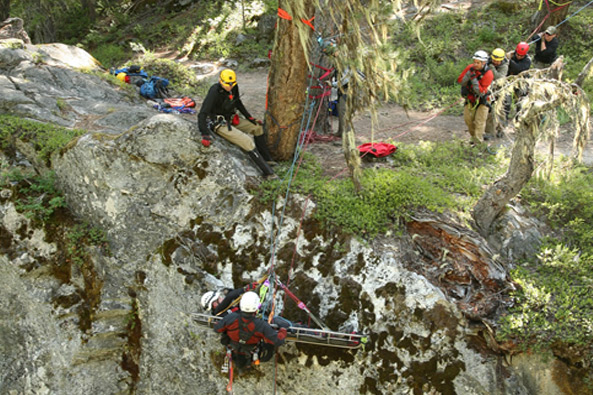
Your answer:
<point x="421" y="121"/>
<point x="554" y="10"/>
<point x="560" y="5"/>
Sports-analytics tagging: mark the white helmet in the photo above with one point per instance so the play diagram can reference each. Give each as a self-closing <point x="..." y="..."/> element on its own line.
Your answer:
<point x="249" y="302"/>
<point x="208" y="298"/>
<point x="481" y="56"/>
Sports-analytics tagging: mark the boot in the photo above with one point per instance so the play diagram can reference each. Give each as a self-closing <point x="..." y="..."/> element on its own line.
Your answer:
<point x="260" y="162"/>
<point x="262" y="147"/>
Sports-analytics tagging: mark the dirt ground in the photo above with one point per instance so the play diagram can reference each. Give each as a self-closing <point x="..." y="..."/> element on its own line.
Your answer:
<point x="394" y="125"/>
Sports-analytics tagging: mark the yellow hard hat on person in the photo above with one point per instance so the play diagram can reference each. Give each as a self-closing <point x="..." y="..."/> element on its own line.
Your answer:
<point x="121" y="77"/>
<point x="498" y="54"/>
<point x="228" y="77"/>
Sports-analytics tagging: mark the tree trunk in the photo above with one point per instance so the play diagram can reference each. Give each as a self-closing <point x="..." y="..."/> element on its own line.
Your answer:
<point x="351" y="152"/>
<point x="520" y="169"/>
<point x="502" y="191"/>
<point x="322" y="24"/>
<point x="4" y="10"/>
<point x="89" y="8"/>
<point x="286" y="86"/>
<point x="584" y="74"/>
<point x="554" y="19"/>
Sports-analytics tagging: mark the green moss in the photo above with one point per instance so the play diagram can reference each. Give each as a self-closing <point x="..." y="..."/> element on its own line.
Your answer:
<point x="46" y="138"/>
<point x="436" y="176"/>
<point x="36" y="196"/>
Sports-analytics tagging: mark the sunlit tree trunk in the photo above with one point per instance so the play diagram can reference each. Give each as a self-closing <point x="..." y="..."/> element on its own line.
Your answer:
<point x="546" y="94"/>
<point x="287" y="83"/>
<point x="351" y="152"/>
<point x="586" y="72"/>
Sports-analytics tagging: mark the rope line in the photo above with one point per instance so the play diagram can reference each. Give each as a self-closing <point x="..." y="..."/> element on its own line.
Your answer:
<point x="554" y="10"/>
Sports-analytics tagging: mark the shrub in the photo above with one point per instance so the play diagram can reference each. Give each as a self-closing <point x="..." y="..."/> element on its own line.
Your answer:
<point x="567" y="203"/>
<point x="183" y="80"/>
<point x="46" y="138"/>
<point x="81" y="235"/>
<point x="553" y="303"/>
<point x="111" y="55"/>
<point x="36" y="196"/>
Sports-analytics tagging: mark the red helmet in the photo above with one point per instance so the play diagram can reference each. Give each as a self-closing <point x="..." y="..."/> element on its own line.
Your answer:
<point x="522" y="48"/>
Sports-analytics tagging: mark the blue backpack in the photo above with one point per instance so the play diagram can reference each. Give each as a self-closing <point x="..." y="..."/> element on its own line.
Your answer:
<point x="132" y="71"/>
<point x="155" y="87"/>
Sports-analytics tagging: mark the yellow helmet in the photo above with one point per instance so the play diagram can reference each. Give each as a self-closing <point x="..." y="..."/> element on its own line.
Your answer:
<point x="498" y="54"/>
<point x="228" y="77"/>
<point x="121" y="77"/>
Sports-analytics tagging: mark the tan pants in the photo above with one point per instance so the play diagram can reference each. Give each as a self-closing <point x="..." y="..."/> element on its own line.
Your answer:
<point x="475" y="119"/>
<point x="240" y="134"/>
<point x="491" y="125"/>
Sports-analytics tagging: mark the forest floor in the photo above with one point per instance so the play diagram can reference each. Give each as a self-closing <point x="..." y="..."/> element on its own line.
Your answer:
<point x="394" y="125"/>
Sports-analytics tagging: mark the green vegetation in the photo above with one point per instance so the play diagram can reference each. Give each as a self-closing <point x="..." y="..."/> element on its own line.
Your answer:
<point x="438" y="176"/>
<point x="183" y="80"/>
<point x="46" y="138"/>
<point x="436" y="53"/>
<point x="554" y="300"/>
<point x="80" y="236"/>
<point x="36" y="195"/>
<point x="567" y="203"/>
<point x="554" y="303"/>
<point x="205" y="30"/>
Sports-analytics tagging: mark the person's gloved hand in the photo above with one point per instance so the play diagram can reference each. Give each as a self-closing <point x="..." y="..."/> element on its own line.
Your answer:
<point x="206" y="140"/>
<point x="255" y="121"/>
<point x="281" y="333"/>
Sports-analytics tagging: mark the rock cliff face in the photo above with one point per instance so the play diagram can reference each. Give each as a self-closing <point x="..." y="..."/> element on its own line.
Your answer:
<point x="180" y="221"/>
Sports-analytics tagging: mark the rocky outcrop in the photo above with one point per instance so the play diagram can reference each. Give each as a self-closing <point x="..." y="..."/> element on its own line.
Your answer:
<point x="45" y="82"/>
<point x="180" y="220"/>
<point x="13" y="28"/>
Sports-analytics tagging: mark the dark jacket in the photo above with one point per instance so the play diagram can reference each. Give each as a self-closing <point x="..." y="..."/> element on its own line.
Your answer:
<point x="516" y="66"/>
<point x="220" y="102"/>
<point x="231" y="295"/>
<point x="549" y="55"/>
<point x="245" y="331"/>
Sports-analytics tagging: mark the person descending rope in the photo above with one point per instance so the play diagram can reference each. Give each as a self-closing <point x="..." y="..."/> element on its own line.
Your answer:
<point x="218" y="114"/>
<point x="248" y="337"/>
<point x="224" y="302"/>
<point x="499" y="65"/>
<point x="475" y="81"/>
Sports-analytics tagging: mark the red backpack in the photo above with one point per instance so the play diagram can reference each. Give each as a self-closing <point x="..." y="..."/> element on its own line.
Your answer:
<point x="378" y="150"/>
